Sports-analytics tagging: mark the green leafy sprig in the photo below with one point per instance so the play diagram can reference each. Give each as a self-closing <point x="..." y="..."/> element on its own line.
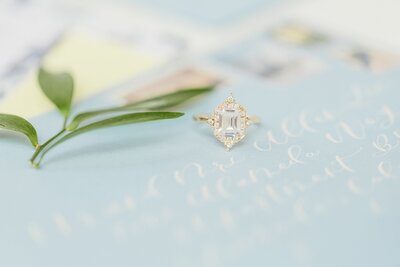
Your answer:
<point x="59" y="89"/>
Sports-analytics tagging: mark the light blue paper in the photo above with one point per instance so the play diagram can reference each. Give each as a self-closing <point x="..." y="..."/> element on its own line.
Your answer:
<point x="317" y="184"/>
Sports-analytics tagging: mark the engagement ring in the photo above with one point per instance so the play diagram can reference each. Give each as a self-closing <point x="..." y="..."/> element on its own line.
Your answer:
<point x="230" y="122"/>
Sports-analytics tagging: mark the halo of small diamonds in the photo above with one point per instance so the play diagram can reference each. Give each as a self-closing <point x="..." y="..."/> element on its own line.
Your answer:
<point x="229" y="121"/>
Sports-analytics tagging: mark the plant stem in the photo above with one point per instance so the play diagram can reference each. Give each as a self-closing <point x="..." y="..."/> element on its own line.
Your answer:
<point x="65" y="124"/>
<point x="40" y="148"/>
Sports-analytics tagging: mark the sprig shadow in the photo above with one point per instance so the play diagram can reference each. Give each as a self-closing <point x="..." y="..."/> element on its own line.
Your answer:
<point x="89" y="150"/>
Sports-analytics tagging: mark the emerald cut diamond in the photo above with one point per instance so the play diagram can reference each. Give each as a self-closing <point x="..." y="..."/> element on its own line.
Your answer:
<point x="230" y="121"/>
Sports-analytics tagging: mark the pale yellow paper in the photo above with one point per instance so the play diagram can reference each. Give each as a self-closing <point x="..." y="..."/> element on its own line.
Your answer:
<point x="96" y="64"/>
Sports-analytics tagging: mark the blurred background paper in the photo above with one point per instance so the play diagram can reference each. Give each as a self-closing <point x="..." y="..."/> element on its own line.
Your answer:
<point x="23" y="45"/>
<point x="209" y="12"/>
<point x="371" y="21"/>
<point x="96" y="64"/>
<point x="186" y="77"/>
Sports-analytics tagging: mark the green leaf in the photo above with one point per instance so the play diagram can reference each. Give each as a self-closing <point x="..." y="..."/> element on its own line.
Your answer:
<point x="155" y="103"/>
<point x="18" y="124"/>
<point x="116" y="121"/>
<point x="58" y="88"/>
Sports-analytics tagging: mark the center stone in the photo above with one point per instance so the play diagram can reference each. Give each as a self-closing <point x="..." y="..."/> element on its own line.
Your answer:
<point x="230" y="122"/>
